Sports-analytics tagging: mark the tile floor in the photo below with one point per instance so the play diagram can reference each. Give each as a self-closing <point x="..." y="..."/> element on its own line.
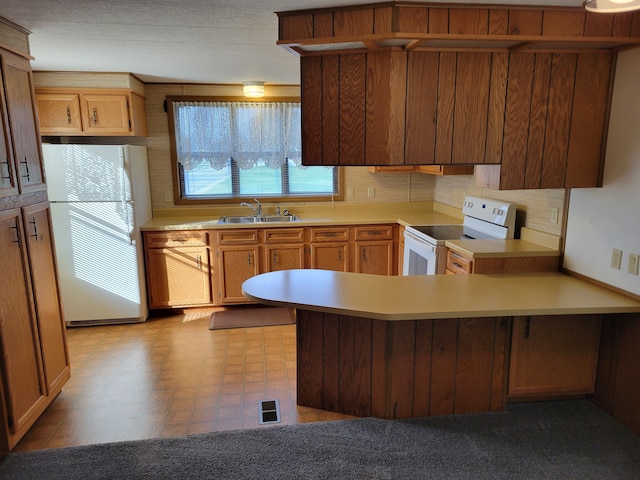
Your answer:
<point x="170" y="376"/>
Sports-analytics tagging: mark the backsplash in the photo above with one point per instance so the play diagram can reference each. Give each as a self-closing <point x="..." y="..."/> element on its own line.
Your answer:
<point x="533" y="206"/>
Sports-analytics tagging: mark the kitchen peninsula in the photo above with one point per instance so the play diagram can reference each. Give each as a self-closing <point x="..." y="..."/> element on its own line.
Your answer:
<point x="402" y="347"/>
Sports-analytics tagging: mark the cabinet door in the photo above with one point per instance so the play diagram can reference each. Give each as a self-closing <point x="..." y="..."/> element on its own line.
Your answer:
<point x="283" y="257"/>
<point x="59" y="113"/>
<point x="330" y="256"/>
<point x="44" y="277"/>
<point x="24" y="389"/>
<point x="18" y="87"/>
<point x="178" y="277"/>
<point x="105" y="114"/>
<point x="8" y="182"/>
<point x="375" y="257"/>
<point x="236" y="264"/>
<point x="554" y="355"/>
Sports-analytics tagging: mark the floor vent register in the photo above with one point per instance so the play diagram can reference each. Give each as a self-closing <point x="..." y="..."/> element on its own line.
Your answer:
<point x="269" y="411"/>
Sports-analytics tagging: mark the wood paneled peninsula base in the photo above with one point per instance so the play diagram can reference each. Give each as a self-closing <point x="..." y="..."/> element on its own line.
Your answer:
<point x="403" y="347"/>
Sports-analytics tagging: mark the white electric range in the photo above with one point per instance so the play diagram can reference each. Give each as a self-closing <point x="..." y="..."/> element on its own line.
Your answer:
<point x="484" y="218"/>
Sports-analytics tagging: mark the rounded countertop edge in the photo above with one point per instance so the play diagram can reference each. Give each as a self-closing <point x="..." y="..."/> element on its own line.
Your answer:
<point x="273" y="283"/>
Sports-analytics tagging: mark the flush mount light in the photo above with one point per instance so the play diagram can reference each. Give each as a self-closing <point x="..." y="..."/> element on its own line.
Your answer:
<point x="253" y="89"/>
<point x="611" y="6"/>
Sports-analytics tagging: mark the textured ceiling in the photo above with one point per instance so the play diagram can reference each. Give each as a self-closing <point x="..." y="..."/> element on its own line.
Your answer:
<point x="174" y="41"/>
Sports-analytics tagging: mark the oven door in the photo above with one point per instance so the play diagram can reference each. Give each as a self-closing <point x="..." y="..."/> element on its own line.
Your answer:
<point x="420" y="256"/>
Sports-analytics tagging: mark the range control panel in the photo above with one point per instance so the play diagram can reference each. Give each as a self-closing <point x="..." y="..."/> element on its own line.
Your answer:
<point x="489" y="210"/>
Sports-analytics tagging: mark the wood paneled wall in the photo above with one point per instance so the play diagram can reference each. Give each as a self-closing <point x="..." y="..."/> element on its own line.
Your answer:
<point x="618" y="377"/>
<point x="364" y="367"/>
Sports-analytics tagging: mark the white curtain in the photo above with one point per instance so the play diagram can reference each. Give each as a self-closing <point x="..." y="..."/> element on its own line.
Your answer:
<point x="251" y="133"/>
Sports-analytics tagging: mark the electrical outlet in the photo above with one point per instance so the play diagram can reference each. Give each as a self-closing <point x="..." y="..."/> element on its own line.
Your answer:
<point x="616" y="258"/>
<point x="167" y="196"/>
<point x="371" y="192"/>
<point x="350" y="192"/>
<point x="554" y="215"/>
<point x="632" y="268"/>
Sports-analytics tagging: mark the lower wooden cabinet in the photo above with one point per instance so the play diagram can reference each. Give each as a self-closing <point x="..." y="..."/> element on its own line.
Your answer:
<point x="457" y="263"/>
<point x="178" y="277"/>
<point x="283" y="249"/>
<point x="208" y="267"/>
<point x="35" y="360"/>
<point x="553" y="355"/>
<point x="235" y="265"/>
<point x="178" y="269"/>
<point x="329" y="248"/>
<point x="237" y="259"/>
<point x="375" y="250"/>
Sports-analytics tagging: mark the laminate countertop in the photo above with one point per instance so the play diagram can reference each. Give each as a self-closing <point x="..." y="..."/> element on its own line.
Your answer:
<point x="435" y="296"/>
<point x="407" y="213"/>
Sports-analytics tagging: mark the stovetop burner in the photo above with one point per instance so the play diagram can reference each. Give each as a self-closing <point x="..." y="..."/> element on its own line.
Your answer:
<point x="450" y="232"/>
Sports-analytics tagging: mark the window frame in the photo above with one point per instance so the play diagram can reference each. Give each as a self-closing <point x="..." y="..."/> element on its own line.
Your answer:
<point x="179" y="199"/>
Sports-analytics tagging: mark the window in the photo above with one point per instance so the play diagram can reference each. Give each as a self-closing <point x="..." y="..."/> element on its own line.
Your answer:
<point x="226" y="149"/>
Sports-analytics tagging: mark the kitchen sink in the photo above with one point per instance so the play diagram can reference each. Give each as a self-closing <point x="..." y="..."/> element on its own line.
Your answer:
<point x="259" y="219"/>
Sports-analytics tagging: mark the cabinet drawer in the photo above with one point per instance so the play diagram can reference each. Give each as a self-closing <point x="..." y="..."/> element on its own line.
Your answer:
<point x="238" y="237"/>
<point x="340" y="234"/>
<point x="374" y="232"/>
<point x="457" y="263"/>
<point x="283" y="235"/>
<point x="176" y="239"/>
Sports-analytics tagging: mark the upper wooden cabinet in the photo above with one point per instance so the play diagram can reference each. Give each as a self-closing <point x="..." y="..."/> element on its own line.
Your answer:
<point x="413" y="26"/>
<point x="92" y="112"/>
<point x="555" y="122"/>
<point x="522" y="93"/>
<point x="21" y="168"/>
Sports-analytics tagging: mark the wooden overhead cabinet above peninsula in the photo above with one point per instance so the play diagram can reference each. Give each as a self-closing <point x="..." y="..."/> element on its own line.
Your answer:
<point x="522" y="92"/>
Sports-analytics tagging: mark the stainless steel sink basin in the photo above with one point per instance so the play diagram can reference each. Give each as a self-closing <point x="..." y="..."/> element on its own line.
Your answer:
<point x="259" y="219"/>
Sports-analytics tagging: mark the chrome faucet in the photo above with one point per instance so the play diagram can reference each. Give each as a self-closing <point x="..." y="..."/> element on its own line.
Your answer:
<point x="257" y="209"/>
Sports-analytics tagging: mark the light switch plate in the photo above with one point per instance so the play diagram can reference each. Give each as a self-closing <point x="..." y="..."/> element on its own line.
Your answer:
<point x="616" y="258"/>
<point x="632" y="268"/>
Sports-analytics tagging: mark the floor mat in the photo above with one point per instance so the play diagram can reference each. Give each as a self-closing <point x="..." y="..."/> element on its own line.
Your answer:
<point x="240" y="317"/>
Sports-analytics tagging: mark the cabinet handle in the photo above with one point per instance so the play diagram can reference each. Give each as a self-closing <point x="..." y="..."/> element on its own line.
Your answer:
<point x="527" y="328"/>
<point x="364" y="254"/>
<point x="26" y="169"/>
<point x="275" y="258"/>
<point x="16" y="227"/>
<point x="7" y="168"/>
<point x="35" y="228"/>
<point x="198" y="262"/>
<point x="95" y="116"/>
<point x="68" y="116"/>
<point x="340" y="256"/>
<point x="249" y="258"/>
<point x="456" y="264"/>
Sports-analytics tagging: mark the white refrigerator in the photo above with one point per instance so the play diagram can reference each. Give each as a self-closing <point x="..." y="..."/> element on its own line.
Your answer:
<point x="99" y="197"/>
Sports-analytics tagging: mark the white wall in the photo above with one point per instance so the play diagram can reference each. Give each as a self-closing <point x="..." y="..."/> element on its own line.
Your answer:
<point x="601" y="219"/>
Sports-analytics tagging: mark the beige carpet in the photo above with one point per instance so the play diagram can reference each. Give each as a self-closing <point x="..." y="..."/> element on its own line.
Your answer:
<point x="239" y="317"/>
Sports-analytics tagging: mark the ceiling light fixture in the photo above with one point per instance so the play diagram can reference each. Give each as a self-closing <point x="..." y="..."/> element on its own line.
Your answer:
<point x="611" y="6"/>
<point x="253" y="89"/>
